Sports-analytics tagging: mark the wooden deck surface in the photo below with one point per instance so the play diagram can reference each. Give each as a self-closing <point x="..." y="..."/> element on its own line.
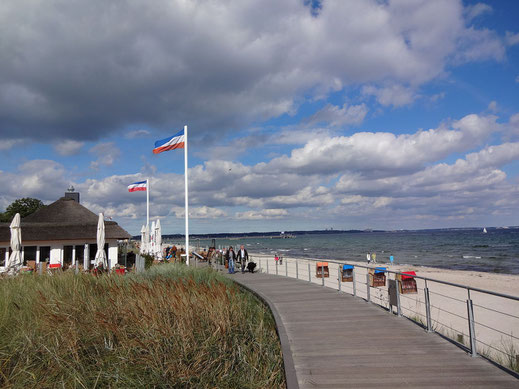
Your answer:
<point x="338" y="341"/>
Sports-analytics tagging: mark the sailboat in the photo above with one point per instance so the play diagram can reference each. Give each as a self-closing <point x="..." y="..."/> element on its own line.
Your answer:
<point x="484" y="230"/>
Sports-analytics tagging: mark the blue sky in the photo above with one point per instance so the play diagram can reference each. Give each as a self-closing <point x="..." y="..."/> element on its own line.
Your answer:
<point x="351" y="114"/>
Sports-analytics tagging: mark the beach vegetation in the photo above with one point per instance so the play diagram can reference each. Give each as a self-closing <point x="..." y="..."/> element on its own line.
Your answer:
<point x="171" y="326"/>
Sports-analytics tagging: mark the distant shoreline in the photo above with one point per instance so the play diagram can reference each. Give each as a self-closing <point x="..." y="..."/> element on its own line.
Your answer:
<point x="277" y="234"/>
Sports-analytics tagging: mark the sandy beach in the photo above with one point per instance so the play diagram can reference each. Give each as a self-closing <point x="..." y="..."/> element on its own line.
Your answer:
<point x="496" y="317"/>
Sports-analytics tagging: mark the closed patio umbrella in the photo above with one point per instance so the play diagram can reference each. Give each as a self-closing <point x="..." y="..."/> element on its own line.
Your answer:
<point x="143" y="238"/>
<point x="158" y="240"/>
<point x="151" y="247"/>
<point x="14" y="263"/>
<point x="100" y="259"/>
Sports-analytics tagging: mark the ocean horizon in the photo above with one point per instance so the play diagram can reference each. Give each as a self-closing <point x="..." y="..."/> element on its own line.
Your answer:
<point x="496" y="251"/>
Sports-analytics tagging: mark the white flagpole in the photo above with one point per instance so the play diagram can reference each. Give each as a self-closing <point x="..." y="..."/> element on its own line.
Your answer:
<point x="147" y="202"/>
<point x="186" y="195"/>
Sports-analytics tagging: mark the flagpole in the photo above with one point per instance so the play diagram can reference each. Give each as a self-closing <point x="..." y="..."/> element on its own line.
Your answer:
<point x="186" y="195"/>
<point x="147" y="202"/>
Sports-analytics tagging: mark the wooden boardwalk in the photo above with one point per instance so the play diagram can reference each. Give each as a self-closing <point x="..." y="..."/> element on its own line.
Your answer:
<point x="334" y="340"/>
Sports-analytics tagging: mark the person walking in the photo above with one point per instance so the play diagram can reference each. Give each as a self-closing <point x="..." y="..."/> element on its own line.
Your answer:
<point x="374" y="257"/>
<point x="231" y="256"/>
<point x="391" y="259"/>
<point x="243" y="257"/>
<point x="368" y="257"/>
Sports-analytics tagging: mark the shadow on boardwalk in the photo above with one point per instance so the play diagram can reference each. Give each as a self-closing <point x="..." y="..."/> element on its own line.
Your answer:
<point x="338" y="341"/>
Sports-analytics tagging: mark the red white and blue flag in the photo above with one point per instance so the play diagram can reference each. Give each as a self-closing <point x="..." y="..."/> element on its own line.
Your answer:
<point x="173" y="142"/>
<point x="137" y="186"/>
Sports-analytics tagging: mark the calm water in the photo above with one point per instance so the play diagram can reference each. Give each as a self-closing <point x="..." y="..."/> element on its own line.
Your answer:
<point x="497" y="251"/>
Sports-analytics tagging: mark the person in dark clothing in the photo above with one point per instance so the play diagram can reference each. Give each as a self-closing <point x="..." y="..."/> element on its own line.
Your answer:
<point x="243" y="257"/>
<point x="230" y="257"/>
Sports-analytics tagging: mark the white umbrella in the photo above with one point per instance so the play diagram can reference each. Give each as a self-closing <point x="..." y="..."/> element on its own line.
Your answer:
<point x="151" y="247"/>
<point x="100" y="254"/>
<point x="14" y="263"/>
<point x="143" y="238"/>
<point x="158" y="240"/>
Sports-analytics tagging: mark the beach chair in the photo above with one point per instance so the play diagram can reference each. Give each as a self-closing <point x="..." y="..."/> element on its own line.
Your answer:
<point x="377" y="277"/>
<point x="407" y="282"/>
<point x="321" y="267"/>
<point x="347" y="273"/>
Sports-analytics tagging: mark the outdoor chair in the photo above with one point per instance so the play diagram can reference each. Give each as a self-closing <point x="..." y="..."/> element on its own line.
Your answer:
<point x="377" y="277"/>
<point x="321" y="267"/>
<point x="407" y="282"/>
<point x="347" y="273"/>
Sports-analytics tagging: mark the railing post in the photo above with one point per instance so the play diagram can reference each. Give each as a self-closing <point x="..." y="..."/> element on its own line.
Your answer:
<point x="339" y="277"/>
<point x="260" y="268"/>
<point x="427" y="308"/>
<point x="398" y="307"/>
<point x="309" y="274"/>
<point x="470" y="314"/>
<point x="367" y="288"/>
<point x="322" y="275"/>
<point x="40" y="268"/>
<point x="297" y="269"/>
<point x="354" y="286"/>
<point x="277" y="265"/>
<point x="267" y="266"/>
<point x="286" y="267"/>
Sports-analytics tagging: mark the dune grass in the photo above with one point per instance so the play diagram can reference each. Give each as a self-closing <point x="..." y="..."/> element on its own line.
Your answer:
<point x="171" y="326"/>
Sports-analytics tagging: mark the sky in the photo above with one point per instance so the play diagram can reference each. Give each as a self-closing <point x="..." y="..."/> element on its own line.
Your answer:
<point x="302" y="115"/>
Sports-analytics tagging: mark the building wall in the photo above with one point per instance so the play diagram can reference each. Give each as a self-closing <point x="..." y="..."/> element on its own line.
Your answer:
<point x="57" y="250"/>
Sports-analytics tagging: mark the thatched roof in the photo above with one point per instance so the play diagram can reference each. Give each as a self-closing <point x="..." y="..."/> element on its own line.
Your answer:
<point x="64" y="219"/>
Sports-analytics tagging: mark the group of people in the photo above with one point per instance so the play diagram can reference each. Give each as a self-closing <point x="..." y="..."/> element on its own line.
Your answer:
<point x="373" y="257"/>
<point x="232" y="257"/>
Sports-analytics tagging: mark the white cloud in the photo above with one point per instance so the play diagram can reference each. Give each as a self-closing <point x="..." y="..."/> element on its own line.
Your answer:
<point x="492" y="106"/>
<point x="137" y="134"/>
<point x="479" y="45"/>
<point x="395" y="95"/>
<point x="42" y="179"/>
<point x="233" y="63"/>
<point x="106" y="154"/>
<point x="385" y="153"/>
<point x="511" y="38"/>
<point x="475" y="10"/>
<point x="262" y="214"/>
<point x="7" y="144"/>
<point x="336" y="116"/>
<point x="200" y="212"/>
<point x="68" y="147"/>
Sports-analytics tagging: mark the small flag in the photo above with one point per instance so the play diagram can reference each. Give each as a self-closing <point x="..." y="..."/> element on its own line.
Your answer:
<point x="136" y="186"/>
<point x="173" y="142"/>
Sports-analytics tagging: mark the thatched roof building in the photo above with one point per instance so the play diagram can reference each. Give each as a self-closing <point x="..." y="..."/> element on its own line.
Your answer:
<point x="62" y="232"/>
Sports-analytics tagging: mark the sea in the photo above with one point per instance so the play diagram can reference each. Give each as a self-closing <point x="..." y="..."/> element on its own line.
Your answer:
<point x="496" y="251"/>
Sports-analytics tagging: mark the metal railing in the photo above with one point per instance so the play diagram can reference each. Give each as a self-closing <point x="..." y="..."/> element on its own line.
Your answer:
<point x="452" y="310"/>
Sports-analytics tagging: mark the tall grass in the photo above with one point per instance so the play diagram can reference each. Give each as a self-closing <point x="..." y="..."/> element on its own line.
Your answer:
<point x="169" y="327"/>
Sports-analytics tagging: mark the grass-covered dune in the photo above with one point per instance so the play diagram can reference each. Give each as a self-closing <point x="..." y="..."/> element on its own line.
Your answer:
<point x="172" y="326"/>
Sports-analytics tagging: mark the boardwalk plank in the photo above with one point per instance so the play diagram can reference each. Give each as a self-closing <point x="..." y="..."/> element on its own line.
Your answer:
<point x="339" y="341"/>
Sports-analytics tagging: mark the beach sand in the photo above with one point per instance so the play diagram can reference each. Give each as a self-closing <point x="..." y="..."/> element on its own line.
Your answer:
<point x="496" y="317"/>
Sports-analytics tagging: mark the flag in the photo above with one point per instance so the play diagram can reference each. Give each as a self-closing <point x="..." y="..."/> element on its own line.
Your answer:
<point x="136" y="186"/>
<point x="173" y="142"/>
